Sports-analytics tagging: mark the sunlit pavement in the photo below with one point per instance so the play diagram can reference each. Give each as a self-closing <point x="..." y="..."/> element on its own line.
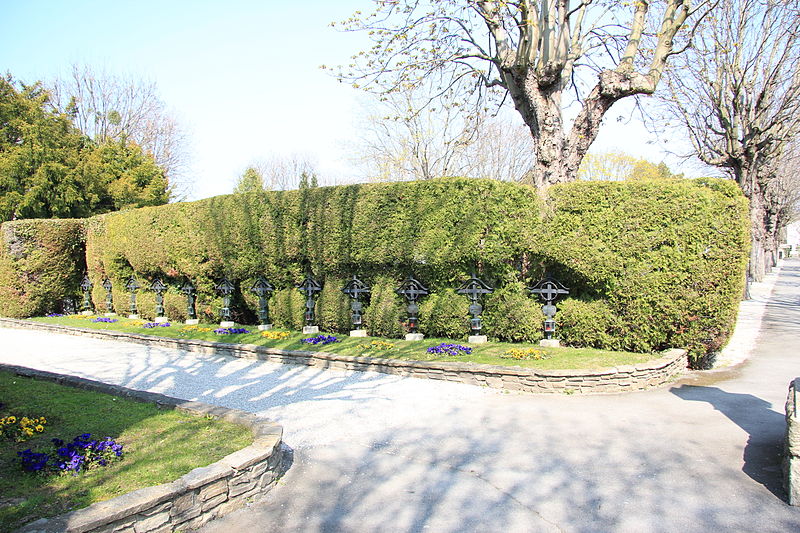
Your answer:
<point x="373" y="452"/>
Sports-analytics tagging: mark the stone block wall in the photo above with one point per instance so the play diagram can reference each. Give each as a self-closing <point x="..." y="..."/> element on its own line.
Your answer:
<point x="618" y="379"/>
<point x="791" y="459"/>
<point x="186" y="503"/>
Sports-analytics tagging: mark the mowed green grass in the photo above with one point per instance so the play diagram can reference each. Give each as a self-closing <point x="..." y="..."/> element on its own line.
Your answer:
<point x="160" y="445"/>
<point x="489" y="353"/>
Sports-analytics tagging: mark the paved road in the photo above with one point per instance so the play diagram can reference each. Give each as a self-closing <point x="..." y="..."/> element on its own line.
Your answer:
<point x="381" y="453"/>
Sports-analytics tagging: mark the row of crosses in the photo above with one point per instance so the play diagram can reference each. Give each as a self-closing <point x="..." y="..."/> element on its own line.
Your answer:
<point x="548" y="289"/>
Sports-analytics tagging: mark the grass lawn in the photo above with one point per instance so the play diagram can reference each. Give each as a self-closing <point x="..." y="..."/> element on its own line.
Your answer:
<point x="160" y="445"/>
<point x="489" y="353"/>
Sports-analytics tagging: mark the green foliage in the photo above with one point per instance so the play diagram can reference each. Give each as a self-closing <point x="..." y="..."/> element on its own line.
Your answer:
<point x="512" y="315"/>
<point x="250" y="181"/>
<point x="384" y="316"/>
<point x="666" y="257"/>
<point x="588" y="324"/>
<point x="444" y="314"/>
<point x="287" y="307"/>
<point x="650" y="264"/>
<point x="41" y="263"/>
<point x="48" y="169"/>
<point x="333" y="307"/>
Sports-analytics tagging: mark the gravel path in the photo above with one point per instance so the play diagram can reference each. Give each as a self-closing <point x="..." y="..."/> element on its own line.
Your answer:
<point x="374" y="452"/>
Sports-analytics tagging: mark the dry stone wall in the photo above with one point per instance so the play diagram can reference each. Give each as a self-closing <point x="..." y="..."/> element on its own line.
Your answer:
<point x="607" y="380"/>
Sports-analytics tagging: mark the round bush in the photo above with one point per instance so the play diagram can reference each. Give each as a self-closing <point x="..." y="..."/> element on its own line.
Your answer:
<point x="287" y="308"/>
<point x="512" y="315"/>
<point x="384" y="315"/>
<point x="444" y="314"/>
<point x="333" y="307"/>
<point x="591" y="324"/>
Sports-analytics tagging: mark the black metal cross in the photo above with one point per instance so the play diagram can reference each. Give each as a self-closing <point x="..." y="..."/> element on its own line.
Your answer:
<point x="412" y="289"/>
<point x="159" y="288"/>
<point x="549" y="289"/>
<point x="309" y="288"/>
<point x="262" y="288"/>
<point x="354" y="289"/>
<point x="107" y="285"/>
<point x="132" y="286"/>
<point x="474" y="288"/>
<point x="86" y="287"/>
<point x="191" y="296"/>
<point x="226" y="289"/>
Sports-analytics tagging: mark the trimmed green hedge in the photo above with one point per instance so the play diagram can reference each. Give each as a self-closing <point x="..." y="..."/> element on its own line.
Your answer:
<point x="650" y="264"/>
<point x="41" y="263"/>
<point x="665" y="259"/>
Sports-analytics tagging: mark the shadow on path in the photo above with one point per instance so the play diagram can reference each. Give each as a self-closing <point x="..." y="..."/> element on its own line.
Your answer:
<point x="764" y="428"/>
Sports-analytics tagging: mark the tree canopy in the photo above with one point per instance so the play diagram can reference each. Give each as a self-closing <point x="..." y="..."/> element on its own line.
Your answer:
<point x="531" y="52"/>
<point x="49" y="169"/>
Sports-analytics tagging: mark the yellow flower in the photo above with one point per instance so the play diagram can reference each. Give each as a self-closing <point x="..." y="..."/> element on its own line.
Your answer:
<point x="40" y="428"/>
<point x="12" y="420"/>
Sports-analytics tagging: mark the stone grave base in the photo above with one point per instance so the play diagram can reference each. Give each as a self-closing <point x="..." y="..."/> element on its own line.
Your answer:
<point x="109" y="314"/>
<point x="133" y="316"/>
<point x="161" y="320"/>
<point x="414" y="336"/>
<point x="227" y="324"/>
<point x="192" y="321"/>
<point x="308" y="330"/>
<point x="87" y="313"/>
<point x="550" y="343"/>
<point x="358" y="333"/>
<point x="477" y="339"/>
<point x="264" y="327"/>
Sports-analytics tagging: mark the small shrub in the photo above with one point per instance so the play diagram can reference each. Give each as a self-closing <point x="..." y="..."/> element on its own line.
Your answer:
<point x="333" y="307"/>
<point x="287" y="308"/>
<point x="444" y="314"/>
<point x="384" y="315"/>
<point x="590" y="324"/>
<point x="512" y="315"/>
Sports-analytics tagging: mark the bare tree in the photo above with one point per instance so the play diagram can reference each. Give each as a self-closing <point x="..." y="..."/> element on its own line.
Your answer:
<point x="404" y="139"/>
<point x="531" y="51"/>
<point x="110" y="107"/>
<point x="284" y="172"/>
<point x="737" y="94"/>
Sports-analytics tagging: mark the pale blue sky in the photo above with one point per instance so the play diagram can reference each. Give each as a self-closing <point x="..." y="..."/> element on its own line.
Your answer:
<point x="242" y="76"/>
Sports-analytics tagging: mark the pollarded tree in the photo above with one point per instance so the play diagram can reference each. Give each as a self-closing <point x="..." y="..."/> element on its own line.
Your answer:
<point x="531" y="51"/>
<point x="736" y="92"/>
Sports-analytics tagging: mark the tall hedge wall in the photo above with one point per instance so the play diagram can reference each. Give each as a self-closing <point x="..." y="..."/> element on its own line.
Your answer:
<point x="649" y="264"/>
<point x="652" y="264"/>
<point x="41" y="262"/>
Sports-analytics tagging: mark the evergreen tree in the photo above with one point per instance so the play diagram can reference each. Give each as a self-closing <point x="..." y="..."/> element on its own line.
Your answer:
<point x="49" y="169"/>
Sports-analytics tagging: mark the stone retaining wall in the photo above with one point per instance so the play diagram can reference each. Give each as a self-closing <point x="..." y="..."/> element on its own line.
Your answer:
<point x="607" y="380"/>
<point x="791" y="459"/>
<point x="189" y="502"/>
